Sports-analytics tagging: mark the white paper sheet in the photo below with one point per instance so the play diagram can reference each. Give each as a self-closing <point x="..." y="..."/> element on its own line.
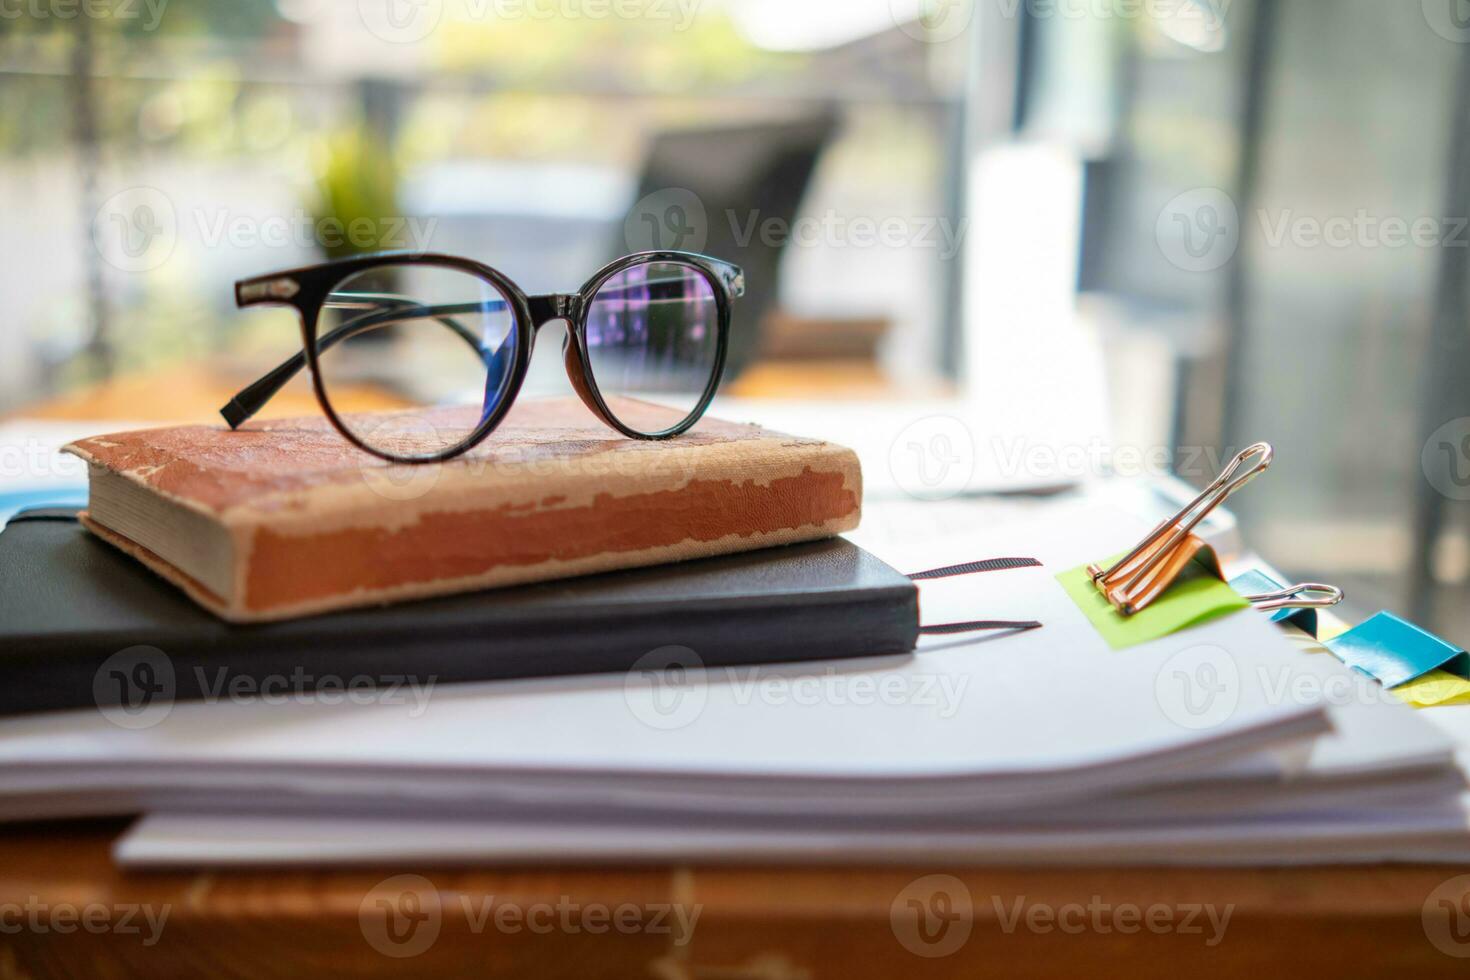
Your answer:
<point x="1440" y="833"/>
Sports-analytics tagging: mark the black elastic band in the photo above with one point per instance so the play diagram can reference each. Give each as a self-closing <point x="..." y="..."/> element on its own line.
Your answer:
<point x="976" y="567"/>
<point x="990" y="625"/>
<point x="44" y="514"/>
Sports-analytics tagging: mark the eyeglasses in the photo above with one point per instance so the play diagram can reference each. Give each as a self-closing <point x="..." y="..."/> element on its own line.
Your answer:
<point x="645" y="345"/>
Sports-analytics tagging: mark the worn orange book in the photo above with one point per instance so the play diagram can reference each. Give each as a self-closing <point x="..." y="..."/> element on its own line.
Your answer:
<point x="285" y="518"/>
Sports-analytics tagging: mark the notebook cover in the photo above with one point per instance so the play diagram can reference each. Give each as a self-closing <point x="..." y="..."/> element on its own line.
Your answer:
<point x="314" y="524"/>
<point x="68" y="602"/>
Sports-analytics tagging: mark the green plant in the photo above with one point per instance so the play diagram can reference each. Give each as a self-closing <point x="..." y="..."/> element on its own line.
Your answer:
<point x="359" y="194"/>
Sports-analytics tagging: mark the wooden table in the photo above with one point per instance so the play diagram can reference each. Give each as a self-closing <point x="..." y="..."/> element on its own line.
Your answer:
<point x="66" y="911"/>
<point x="756" y="923"/>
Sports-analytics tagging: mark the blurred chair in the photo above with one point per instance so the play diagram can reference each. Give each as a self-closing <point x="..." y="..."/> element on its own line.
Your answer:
<point x="713" y="189"/>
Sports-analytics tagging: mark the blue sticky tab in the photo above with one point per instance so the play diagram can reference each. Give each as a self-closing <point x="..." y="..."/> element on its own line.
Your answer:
<point x="1395" y="651"/>
<point x="1256" y="582"/>
<point x="17" y="500"/>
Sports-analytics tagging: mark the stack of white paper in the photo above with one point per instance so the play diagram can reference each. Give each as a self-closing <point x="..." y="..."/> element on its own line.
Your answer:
<point x="1226" y="743"/>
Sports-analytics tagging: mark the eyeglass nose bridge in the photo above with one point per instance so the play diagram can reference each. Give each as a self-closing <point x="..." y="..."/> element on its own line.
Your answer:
<point x="554" y="306"/>
<point x="568" y="306"/>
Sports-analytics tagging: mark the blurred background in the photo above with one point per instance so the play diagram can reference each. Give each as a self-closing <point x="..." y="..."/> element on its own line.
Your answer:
<point x="1099" y="236"/>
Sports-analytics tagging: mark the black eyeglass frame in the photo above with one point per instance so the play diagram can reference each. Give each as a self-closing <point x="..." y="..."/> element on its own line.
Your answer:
<point x="308" y="288"/>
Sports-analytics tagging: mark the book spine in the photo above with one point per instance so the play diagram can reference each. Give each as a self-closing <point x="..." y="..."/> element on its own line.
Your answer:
<point x="721" y="636"/>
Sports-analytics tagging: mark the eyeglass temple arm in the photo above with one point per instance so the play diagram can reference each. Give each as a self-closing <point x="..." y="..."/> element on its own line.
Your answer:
<point x="252" y="398"/>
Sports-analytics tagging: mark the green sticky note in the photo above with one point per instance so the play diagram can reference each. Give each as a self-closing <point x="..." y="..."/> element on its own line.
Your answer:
<point x="1195" y="597"/>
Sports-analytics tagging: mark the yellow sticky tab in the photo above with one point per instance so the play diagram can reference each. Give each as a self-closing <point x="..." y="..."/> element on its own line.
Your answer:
<point x="1436" y="689"/>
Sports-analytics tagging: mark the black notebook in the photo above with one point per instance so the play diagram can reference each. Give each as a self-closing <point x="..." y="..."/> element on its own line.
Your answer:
<point x="69" y="602"/>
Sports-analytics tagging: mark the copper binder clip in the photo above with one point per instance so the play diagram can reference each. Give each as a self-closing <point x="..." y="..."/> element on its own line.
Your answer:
<point x="1144" y="573"/>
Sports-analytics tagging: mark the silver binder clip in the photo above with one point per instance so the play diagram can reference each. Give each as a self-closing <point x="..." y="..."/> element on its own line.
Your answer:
<point x="1308" y="595"/>
<point x="1142" y="575"/>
